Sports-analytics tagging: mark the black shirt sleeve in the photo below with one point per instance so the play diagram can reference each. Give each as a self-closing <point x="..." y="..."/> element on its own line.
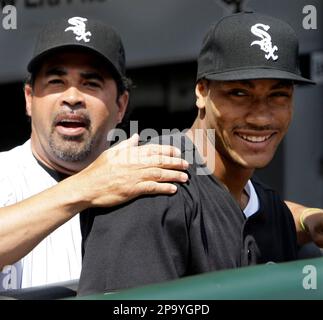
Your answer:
<point x="142" y="242"/>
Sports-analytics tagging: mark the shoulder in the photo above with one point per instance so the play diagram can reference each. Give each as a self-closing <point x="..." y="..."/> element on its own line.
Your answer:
<point x="148" y="209"/>
<point x="12" y="161"/>
<point x="11" y="171"/>
<point x="15" y="157"/>
<point x="270" y="200"/>
<point x="21" y="175"/>
<point x="18" y="162"/>
<point x="265" y="191"/>
<point x="202" y="184"/>
<point x="260" y="185"/>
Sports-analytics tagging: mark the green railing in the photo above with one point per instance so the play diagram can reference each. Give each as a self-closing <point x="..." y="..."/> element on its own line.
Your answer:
<point x="302" y="279"/>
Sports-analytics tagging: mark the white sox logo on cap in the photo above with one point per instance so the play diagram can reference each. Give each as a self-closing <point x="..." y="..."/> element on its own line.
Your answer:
<point x="79" y="28"/>
<point x="265" y="44"/>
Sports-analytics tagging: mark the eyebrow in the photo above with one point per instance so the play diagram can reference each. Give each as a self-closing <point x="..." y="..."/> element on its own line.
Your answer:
<point x="55" y="71"/>
<point x="279" y="85"/>
<point x="283" y="84"/>
<point x="247" y="83"/>
<point x="58" y="71"/>
<point x="92" y="75"/>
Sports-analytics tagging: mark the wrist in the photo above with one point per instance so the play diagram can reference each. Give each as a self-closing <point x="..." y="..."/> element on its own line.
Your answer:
<point x="72" y="196"/>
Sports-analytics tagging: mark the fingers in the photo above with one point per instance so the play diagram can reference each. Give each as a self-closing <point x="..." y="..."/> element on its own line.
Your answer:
<point x="158" y="181"/>
<point x="156" y="149"/>
<point x="151" y="187"/>
<point x="133" y="141"/>
<point x="163" y="156"/>
<point x="163" y="175"/>
<point x="165" y="162"/>
<point x="148" y="149"/>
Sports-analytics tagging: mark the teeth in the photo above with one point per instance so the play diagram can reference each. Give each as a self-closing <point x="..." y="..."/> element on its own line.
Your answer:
<point x="254" y="139"/>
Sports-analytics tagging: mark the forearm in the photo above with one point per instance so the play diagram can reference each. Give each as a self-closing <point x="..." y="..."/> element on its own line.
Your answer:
<point x="25" y="224"/>
<point x="308" y="222"/>
<point x="107" y="182"/>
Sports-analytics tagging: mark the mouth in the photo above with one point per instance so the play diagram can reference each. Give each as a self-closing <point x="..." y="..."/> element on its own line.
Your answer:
<point x="71" y="125"/>
<point x="255" y="139"/>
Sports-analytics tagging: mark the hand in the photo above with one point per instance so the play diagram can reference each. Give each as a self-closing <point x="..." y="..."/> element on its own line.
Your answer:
<point x="313" y="223"/>
<point x="127" y="171"/>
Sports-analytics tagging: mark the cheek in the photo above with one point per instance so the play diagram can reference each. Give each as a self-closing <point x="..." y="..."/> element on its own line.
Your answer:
<point x="222" y="127"/>
<point x="41" y="112"/>
<point x="102" y="113"/>
<point x="285" y="119"/>
<point x="223" y="124"/>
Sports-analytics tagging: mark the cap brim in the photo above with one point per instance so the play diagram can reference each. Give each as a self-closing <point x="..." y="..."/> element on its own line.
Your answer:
<point x="34" y="63"/>
<point x="261" y="73"/>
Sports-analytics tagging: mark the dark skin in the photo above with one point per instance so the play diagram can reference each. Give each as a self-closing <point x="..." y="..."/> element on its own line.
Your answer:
<point x="249" y="119"/>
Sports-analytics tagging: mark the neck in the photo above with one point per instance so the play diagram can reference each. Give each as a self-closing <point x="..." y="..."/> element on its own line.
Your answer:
<point x="232" y="175"/>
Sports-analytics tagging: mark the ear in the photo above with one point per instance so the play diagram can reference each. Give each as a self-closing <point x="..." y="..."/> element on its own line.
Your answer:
<point x="122" y="104"/>
<point x="28" y="98"/>
<point x="201" y="93"/>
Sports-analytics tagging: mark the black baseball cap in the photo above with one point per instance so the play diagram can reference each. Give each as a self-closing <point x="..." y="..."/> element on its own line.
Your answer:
<point x="84" y="34"/>
<point x="249" y="45"/>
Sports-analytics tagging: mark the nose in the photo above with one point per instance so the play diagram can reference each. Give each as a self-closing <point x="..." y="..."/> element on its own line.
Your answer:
<point x="260" y="113"/>
<point x="73" y="98"/>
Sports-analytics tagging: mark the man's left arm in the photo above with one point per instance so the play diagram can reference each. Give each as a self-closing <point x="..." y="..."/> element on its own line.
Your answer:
<point x="308" y="222"/>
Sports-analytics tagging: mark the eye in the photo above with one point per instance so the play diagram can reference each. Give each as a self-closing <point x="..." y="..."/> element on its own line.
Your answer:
<point x="92" y="84"/>
<point x="55" y="81"/>
<point x="279" y="94"/>
<point x="238" y="93"/>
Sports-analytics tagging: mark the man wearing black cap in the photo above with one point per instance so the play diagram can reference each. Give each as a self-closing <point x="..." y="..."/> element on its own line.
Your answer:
<point x="221" y="218"/>
<point x="77" y="92"/>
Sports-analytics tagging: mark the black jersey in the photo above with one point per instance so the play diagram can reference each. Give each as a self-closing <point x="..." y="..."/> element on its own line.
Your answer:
<point x="199" y="229"/>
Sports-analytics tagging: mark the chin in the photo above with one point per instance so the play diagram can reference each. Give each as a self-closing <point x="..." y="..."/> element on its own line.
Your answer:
<point x="256" y="162"/>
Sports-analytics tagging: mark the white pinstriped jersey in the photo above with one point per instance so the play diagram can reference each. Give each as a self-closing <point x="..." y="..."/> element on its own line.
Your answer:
<point x="58" y="257"/>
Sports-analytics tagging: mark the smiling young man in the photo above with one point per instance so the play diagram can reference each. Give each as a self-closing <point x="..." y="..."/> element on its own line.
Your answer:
<point x="249" y="118"/>
<point x="221" y="218"/>
<point x="76" y="94"/>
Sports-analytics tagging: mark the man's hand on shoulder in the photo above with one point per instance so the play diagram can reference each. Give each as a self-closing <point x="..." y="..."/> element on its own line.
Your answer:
<point x="127" y="171"/>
